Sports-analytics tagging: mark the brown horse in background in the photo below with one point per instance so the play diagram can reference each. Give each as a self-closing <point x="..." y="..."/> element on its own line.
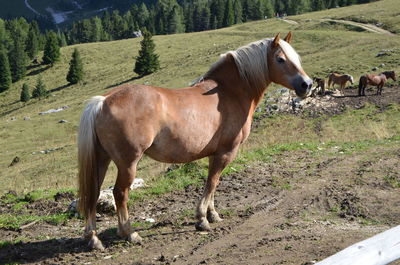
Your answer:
<point x="375" y="80"/>
<point x="210" y="119"/>
<point x="341" y="80"/>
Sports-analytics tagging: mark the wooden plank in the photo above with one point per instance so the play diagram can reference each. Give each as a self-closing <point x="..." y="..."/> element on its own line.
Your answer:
<point x="380" y="249"/>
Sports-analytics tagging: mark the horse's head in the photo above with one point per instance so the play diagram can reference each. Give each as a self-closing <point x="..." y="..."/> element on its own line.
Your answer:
<point x="392" y="75"/>
<point x="285" y="67"/>
<point x="350" y="78"/>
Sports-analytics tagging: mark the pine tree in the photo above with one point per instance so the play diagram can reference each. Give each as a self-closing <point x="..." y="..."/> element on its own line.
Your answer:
<point x="40" y="89"/>
<point x="144" y="15"/>
<point x="51" y="49"/>
<point x="147" y="61"/>
<point x="317" y="5"/>
<point x="217" y="9"/>
<point x="32" y="42"/>
<point x="268" y="9"/>
<point x="18" y="58"/>
<point x="229" y="17"/>
<point x="238" y="12"/>
<point x="5" y="40"/>
<point x="188" y="12"/>
<point x="5" y="73"/>
<point x="62" y="40"/>
<point x="175" y="23"/>
<point x="97" y="31"/>
<point x="205" y="18"/>
<point x="75" y="73"/>
<point x="197" y="26"/>
<point x="25" y="96"/>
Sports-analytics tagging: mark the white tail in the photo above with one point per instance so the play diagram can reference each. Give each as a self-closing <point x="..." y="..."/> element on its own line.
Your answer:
<point x="87" y="162"/>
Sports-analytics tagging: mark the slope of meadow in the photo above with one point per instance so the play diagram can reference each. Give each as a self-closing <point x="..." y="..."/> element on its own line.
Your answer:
<point x="384" y="13"/>
<point x="183" y="58"/>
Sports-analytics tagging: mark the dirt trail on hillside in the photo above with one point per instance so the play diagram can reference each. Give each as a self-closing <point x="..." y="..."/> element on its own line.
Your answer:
<point x="297" y="207"/>
<point x="368" y="27"/>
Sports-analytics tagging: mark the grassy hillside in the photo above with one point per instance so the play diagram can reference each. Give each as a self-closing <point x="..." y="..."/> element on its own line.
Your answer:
<point x="323" y="48"/>
<point x="385" y="14"/>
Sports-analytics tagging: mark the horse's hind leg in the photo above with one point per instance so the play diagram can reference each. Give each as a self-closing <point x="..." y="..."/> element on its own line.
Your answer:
<point x="126" y="175"/>
<point x="206" y="208"/>
<point x="90" y="228"/>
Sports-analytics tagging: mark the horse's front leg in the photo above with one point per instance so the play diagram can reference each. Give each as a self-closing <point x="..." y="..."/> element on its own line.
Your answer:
<point x="206" y="210"/>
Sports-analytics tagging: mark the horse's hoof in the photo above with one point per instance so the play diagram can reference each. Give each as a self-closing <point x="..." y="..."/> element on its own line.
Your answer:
<point x="203" y="226"/>
<point x="214" y="217"/>
<point x="134" y="238"/>
<point x="95" y="243"/>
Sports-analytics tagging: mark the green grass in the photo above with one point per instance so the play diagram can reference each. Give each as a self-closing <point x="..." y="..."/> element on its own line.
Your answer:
<point x="6" y="243"/>
<point x="11" y="198"/>
<point x="183" y="58"/>
<point x="177" y="178"/>
<point x="14" y="222"/>
<point x="392" y="181"/>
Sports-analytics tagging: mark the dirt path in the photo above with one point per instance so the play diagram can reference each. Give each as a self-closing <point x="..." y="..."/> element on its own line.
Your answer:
<point x="367" y="27"/>
<point x="298" y="207"/>
<point x="290" y="21"/>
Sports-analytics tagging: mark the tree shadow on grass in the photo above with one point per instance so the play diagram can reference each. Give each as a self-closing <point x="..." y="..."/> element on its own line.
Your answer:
<point x="33" y="66"/>
<point x="124" y="82"/>
<point x="38" y="71"/>
<point x="26" y="104"/>
<point x="59" y="88"/>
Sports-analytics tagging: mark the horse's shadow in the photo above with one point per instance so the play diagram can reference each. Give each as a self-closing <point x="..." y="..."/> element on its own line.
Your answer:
<point x="37" y="252"/>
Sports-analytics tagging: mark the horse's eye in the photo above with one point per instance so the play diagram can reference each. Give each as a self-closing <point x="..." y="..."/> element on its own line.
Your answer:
<point x="281" y="60"/>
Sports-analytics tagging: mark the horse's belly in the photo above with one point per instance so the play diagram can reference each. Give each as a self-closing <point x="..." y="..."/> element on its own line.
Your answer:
<point x="181" y="148"/>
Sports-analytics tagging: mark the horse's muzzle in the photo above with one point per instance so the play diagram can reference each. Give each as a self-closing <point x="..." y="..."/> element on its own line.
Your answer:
<point x="303" y="87"/>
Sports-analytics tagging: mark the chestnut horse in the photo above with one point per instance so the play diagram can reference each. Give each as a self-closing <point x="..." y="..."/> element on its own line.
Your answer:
<point x="375" y="80"/>
<point x="341" y="80"/>
<point x="210" y="119"/>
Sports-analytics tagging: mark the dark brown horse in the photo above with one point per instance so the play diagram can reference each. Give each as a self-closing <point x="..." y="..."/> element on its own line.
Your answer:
<point x="210" y="119"/>
<point x="375" y="80"/>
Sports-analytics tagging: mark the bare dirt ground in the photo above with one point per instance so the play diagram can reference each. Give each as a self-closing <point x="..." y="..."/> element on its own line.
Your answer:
<point x="297" y="208"/>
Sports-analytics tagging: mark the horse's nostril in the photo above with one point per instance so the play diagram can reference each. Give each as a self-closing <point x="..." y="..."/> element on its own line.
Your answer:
<point x="304" y="85"/>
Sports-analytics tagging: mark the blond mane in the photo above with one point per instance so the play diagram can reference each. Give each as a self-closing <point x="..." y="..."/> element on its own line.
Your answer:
<point x="251" y="61"/>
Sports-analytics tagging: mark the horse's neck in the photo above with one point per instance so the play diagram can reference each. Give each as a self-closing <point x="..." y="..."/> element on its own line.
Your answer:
<point x="387" y="75"/>
<point x="228" y="77"/>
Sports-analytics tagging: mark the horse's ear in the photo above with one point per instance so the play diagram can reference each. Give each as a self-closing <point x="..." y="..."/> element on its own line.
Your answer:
<point x="288" y="37"/>
<point x="275" y="42"/>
